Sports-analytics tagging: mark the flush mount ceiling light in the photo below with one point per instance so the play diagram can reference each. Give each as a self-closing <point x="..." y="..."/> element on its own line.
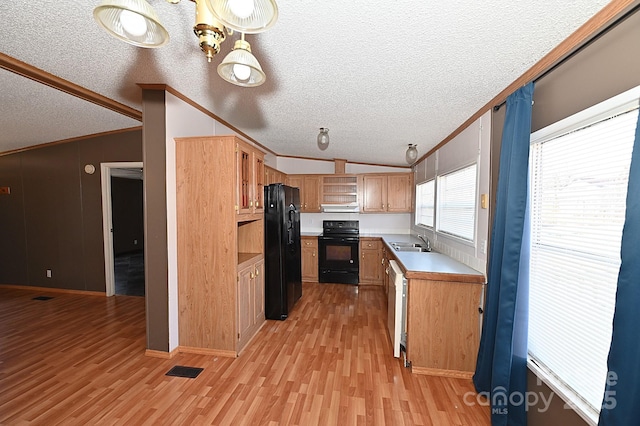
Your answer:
<point x="323" y="138"/>
<point x="135" y="22"/>
<point x="412" y="154"/>
<point x="240" y="67"/>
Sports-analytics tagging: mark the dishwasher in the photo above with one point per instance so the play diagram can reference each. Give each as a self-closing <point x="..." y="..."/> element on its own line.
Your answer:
<point x="397" y="308"/>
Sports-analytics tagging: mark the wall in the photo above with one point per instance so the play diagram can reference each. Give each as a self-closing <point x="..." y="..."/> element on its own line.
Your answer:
<point x="369" y="223"/>
<point x="127" y="217"/>
<point x="53" y="217"/>
<point x="471" y="145"/>
<point x="599" y="71"/>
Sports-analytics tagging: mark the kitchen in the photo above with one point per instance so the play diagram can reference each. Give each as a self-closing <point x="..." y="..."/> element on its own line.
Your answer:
<point x="163" y="304"/>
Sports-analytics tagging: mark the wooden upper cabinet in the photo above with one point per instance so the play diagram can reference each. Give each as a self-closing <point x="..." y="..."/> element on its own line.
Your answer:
<point x="258" y="195"/>
<point x="312" y="185"/>
<point x="374" y="193"/>
<point x="399" y="193"/>
<point x="387" y="193"/>
<point x="273" y="176"/>
<point x="310" y="191"/>
<point x="249" y="179"/>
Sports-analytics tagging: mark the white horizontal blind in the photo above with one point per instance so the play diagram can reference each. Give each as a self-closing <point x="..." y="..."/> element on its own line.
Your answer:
<point x="425" y="205"/>
<point x="578" y="197"/>
<point x="457" y="202"/>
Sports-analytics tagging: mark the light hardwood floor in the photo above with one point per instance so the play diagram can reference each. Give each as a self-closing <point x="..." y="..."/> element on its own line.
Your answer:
<point x="79" y="359"/>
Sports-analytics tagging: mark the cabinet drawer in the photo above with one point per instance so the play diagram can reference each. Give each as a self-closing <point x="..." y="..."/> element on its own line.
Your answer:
<point x="309" y="241"/>
<point x="370" y="244"/>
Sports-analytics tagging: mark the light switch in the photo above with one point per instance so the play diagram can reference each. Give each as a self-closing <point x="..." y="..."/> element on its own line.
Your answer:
<point x="484" y="201"/>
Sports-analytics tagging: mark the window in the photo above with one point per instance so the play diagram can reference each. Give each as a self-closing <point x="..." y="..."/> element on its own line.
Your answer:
<point x="425" y="203"/>
<point x="457" y="203"/>
<point x="578" y="178"/>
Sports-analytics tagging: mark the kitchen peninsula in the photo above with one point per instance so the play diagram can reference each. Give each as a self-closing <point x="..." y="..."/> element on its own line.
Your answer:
<point x="443" y="317"/>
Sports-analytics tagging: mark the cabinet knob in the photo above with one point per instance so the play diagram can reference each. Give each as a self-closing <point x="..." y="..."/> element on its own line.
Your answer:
<point x="313" y="254"/>
<point x="251" y="275"/>
<point x="257" y="272"/>
<point x="388" y="206"/>
<point x="257" y="203"/>
<point x="383" y="206"/>
<point x="251" y="203"/>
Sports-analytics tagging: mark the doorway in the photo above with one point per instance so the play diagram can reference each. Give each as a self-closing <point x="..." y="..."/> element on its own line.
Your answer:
<point x="122" y="220"/>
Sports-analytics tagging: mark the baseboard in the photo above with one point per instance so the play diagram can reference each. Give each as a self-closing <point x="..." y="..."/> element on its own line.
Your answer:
<point x="205" y="351"/>
<point x="160" y="354"/>
<point x="53" y="290"/>
<point x="456" y="374"/>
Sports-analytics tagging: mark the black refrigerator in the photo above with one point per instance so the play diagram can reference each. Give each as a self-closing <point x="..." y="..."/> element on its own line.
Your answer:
<point x="283" y="267"/>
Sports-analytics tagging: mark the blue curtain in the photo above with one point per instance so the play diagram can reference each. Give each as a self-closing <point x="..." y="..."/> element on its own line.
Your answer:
<point x="501" y="368"/>
<point x="621" y="402"/>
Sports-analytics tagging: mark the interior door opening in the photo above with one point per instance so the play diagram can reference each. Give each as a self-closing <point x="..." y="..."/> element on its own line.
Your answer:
<point x="123" y="228"/>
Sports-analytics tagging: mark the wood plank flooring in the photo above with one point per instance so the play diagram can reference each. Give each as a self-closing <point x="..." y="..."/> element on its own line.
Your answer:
<point x="79" y="359"/>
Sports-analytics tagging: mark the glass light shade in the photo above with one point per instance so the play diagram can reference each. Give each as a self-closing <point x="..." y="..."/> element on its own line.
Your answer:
<point x="235" y="65"/>
<point x="245" y="16"/>
<point x="132" y="21"/>
<point x="412" y="154"/>
<point x="323" y="138"/>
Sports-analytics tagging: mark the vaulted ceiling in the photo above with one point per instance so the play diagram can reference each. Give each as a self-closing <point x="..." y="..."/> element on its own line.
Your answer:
<point x="378" y="74"/>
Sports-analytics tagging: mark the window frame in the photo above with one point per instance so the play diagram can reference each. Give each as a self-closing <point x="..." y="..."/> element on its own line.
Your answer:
<point x="439" y="193"/>
<point x="616" y="105"/>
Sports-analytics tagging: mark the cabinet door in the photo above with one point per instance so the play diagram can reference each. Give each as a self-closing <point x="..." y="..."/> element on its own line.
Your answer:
<point x="370" y="262"/>
<point x="244" y="179"/>
<point x="245" y="300"/>
<point x="258" y="304"/>
<point x="258" y="187"/>
<point x="399" y="192"/>
<point x="374" y="192"/>
<point x="296" y="181"/>
<point x="312" y="196"/>
<point x="310" y="259"/>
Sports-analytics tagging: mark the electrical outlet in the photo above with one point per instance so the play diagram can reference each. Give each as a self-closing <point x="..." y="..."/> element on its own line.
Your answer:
<point x="135" y="242"/>
<point x="48" y="273"/>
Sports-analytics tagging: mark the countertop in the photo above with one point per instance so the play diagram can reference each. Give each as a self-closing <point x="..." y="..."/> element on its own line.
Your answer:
<point x="423" y="265"/>
<point x="310" y="234"/>
<point x="428" y="265"/>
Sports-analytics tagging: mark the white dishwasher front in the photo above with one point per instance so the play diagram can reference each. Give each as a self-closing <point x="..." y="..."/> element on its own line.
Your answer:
<point x="397" y="305"/>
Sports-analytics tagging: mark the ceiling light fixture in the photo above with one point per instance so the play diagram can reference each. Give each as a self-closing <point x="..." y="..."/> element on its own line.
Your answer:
<point x="323" y="138"/>
<point x="240" y="67"/>
<point x="135" y="22"/>
<point x="412" y="153"/>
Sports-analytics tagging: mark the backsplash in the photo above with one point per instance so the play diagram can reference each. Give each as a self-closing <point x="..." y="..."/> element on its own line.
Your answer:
<point x="369" y="223"/>
<point x="469" y="260"/>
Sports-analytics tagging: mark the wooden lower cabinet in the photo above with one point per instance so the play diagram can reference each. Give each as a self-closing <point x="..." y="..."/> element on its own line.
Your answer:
<point x="309" y="259"/>
<point x="371" y="267"/>
<point x="250" y="299"/>
<point x="443" y="327"/>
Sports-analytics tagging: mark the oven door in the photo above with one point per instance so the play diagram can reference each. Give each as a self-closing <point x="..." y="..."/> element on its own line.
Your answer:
<point x="338" y="259"/>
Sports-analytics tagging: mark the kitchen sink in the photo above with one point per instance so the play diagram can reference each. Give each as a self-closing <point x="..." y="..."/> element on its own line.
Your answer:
<point x="402" y="246"/>
<point x="418" y="249"/>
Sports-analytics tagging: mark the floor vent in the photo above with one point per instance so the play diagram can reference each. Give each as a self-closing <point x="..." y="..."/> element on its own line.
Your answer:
<point x="42" y="298"/>
<point x="182" y="371"/>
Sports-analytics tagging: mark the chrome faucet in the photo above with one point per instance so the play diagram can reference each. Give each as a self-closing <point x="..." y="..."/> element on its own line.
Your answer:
<point x="425" y="240"/>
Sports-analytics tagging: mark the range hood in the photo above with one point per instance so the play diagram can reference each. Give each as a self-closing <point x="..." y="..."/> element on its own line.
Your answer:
<point x="340" y="208"/>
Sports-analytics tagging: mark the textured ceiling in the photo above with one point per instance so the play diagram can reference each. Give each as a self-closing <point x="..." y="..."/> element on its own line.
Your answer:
<point x="378" y="74"/>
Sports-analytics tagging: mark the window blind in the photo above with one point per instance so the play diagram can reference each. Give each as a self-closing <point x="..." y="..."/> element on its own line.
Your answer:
<point x="578" y="196"/>
<point x="457" y="203"/>
<point x="425" y="205"/>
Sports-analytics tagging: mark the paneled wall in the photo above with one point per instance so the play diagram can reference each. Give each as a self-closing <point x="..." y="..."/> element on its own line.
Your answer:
<point x="52" y="219"/>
